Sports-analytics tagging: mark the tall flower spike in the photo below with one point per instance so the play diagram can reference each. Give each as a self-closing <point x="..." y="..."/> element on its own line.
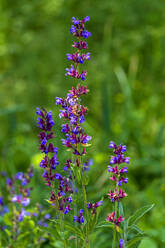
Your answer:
<point x="78" y="30"/>
<point x="118" y="176"/>
<point x="45" y="123"/>
<point x="49" y="163"/>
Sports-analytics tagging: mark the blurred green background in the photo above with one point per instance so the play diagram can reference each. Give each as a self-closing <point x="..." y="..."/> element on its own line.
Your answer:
<point x="126" y="78"/>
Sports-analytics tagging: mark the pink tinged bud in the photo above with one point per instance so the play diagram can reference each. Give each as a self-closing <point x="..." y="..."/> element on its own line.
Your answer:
<point x="113" y="178"/>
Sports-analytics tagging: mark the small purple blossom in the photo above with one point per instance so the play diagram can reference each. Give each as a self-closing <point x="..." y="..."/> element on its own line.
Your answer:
<point x="73" y="29"/>
<point x="47" y="216"/>
<point x="1" y="201"/>
<point x="19" y="176"/>
<point x="121" y="243"/>
<point x="22" y="214"/>
<point x="25" y="202"/>
<point x="80" y="218"/>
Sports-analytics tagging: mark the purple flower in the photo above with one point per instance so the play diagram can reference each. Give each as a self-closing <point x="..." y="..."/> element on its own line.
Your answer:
<point x="86" y="34"/>
<point x="47" y="216"/>
<point x="69" y="56"/>
<point x="82" y="76"/>
<point x="22" y="214"/>
<point x="1" y="200"/>
<point x="58" y="176"/>
<point x="121" y="243"/>
<point x="72" y="29"/>
<point x="124" y="170"/>
<point x="87" y="56"/>
<point x="67" y="209"/>
<point x="86" y="139"/>
<point x="75" y="21"/>
<point x="5" y="209"/>
<point x="126" y="160"/>
<point x="97" y="204"/>
<point x="44" y="141"/>
<point x="112" y="145"/>
<point x="19" y="175"/>
<point x="87" y="18"/>
<point x="24" y="182"/>
<point x="113" y="160"/>
<point x="86" y="165"/>
<point x="123" y="148"/>
<point x="80" y="218"/>
<point x="94" y="206"/>
<point x="71" y="71"/>
<point x="25" y="202"/>
<point x="110" y="169"/>
<point x="39" y="112"/>
<point x="16" y="198"/>
<point x="69" y="199"/>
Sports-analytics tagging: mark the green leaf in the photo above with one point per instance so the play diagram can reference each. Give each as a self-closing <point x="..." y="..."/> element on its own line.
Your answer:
<point x="121" y="211"/>
<point x="75" y="230"/>
<point x="138" y="214"/>
<point x="103" y="224"/>
<point x="53" y="231"/>
<point x="136" y="228"/>
<point x="23" y="236"/>
<point x="134" y="241"/>
<point x="71" y="228"/>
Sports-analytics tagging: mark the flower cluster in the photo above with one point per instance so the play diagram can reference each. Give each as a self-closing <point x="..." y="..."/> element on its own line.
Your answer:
<point x="94" y="206"/>
<point x="49" y="162"/>
<point x="20" y="192"/>
<point x="73" y="112"/>
<point x="112" y="218"/>
<point x="118" y="175"/>
<point x="78" y="30"/>
<point x="63" y="195"/>
<point x="80" y="218"/>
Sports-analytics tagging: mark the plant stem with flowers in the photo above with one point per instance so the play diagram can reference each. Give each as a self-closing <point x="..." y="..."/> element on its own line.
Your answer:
<point x="64" y="188"/>
<point x="118" y="176"/>
<point x="74" y="112"/>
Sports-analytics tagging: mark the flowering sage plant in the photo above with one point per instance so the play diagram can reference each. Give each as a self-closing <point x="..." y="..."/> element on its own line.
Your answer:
<point x="76" y="214"/>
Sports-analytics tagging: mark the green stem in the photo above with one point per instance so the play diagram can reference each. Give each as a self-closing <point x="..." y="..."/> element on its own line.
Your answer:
<point x="75" y="205"/>
<point x="62" y="228"/>
<point x="86" y="213"/>
<point x="114" y="231"/>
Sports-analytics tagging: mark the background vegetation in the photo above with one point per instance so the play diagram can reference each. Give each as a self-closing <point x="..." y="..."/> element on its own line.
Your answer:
<point x="126" y="78"/>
